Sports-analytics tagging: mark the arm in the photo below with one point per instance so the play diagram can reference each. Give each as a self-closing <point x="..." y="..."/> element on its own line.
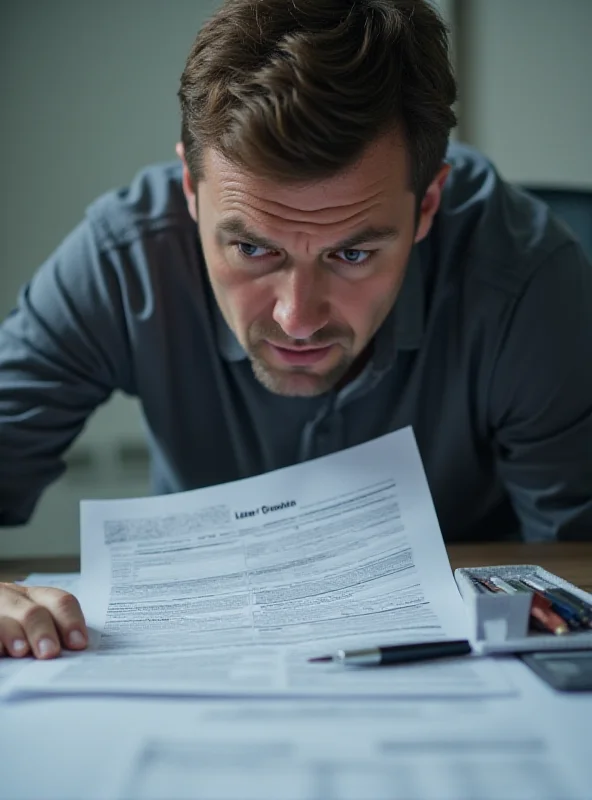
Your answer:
<point x="62" y="352"/>
<point x="541" y="401"/>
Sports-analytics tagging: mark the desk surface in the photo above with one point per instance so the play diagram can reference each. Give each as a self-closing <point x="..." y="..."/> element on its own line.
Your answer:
<point x="570" y="560"/>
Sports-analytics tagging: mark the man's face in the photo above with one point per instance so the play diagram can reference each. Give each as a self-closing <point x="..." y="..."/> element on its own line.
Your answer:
<point x="305" y="274"/>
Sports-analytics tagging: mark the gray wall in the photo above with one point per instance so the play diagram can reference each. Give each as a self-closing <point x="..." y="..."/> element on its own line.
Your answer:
<point x="88" y="96"/>
<point x="526" y="87"/>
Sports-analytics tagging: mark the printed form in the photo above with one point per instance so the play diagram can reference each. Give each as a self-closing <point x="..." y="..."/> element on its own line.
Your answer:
<point x="229" y="589"/>
<point x="531" y="746"/>
<point x="305" y="753"/>
<point x="388" y="750"/>
<point x="443" y="749"/>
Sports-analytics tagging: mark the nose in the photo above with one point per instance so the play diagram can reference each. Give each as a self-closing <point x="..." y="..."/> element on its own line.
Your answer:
<point x="301" y="308"/>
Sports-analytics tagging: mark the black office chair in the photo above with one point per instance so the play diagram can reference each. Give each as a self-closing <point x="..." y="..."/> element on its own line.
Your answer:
<point x="573" y="207"/>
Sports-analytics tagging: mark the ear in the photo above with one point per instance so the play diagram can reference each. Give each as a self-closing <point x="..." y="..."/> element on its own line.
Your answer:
<point x="189" y="190"/>
<point x="431" y="203"/>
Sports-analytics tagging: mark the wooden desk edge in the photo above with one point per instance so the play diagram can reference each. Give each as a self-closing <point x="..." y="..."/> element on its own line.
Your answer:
<point x="570" y="560"/>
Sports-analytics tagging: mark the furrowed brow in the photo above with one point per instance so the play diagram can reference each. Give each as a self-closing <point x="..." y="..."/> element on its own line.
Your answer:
<point x="371" y="234"/>
<point x="233" y="226"/>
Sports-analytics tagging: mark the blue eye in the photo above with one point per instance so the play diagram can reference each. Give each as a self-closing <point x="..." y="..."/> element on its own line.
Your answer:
<point x="251" y="250"/>
<point x="354" y="256"/>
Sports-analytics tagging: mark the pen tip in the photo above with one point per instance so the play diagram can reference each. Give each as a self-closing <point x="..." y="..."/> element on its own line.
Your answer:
<point x="320" y="659"/>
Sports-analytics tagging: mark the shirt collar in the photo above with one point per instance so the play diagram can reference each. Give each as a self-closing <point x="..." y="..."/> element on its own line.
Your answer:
<point x="401" y="330"/>
<point x="408" y="311"/>
<point x="228" y="344"/>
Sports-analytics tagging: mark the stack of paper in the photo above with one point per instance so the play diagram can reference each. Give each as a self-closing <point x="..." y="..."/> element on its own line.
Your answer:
<point x="225" y="593"/>
<point x="228" y="590"/>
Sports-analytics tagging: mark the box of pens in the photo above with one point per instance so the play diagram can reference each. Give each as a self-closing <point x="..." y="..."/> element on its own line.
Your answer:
<point x="522" y="607"/>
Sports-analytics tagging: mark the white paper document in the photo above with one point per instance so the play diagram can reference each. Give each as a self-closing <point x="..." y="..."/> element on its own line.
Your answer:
<point x="68" y="581"/>
<point x="229" y="589"/>
<point x="375" y="763"/>
<point x="531" y="747"/>
<point x="360" y="751"/>
<point x="9" y="667"/>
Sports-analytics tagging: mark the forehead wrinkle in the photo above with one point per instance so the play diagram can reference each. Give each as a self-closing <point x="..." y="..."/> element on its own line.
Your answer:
<point x="247" y="181"/>
<point x="237" y="199"/>
<point x="328" y="214"/>
<point x="235" y="188"/>
<point x="309" y="228"/>
<point x="314" y="220"/>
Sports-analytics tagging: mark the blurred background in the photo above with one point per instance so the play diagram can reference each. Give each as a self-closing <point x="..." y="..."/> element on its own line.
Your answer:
<point x="88" y="96"/>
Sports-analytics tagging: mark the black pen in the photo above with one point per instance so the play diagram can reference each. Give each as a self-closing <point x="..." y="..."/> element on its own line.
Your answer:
<point x="398" y="653"/>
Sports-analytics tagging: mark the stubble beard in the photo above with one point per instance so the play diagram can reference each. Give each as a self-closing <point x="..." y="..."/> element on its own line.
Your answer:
<point x="297" y="381"/>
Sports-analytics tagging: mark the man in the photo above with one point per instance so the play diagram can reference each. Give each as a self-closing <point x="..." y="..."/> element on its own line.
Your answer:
<point x="319" y="270"/>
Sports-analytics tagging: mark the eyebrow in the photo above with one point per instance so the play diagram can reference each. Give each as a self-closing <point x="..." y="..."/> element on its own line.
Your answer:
<point x="234" y="226"/>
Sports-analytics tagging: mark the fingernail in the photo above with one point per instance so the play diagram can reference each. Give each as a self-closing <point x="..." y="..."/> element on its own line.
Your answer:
<point x="46" y="647"/>
<point x="76" y="639"/>
<point x="19" y="645"/>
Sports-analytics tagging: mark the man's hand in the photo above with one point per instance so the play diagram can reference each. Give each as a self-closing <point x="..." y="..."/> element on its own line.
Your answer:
<point x="39" y="621"/>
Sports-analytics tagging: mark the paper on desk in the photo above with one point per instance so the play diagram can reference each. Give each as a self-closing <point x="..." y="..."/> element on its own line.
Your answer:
<point x="70" y="740"/>
<point x="228" y="590"/>
<point x="68" y="581"/>
<point x="366" y="757"/>
<point x="393" y="750"/>
<point x="298" y="749"/>
<point x="9" y="668"/>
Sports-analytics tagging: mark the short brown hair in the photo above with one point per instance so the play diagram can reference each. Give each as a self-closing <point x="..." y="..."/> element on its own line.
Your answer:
<point x="295" y="91"/>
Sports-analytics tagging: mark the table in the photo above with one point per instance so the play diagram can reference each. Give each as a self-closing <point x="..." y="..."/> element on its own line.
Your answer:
<point x="99" y="731"/>
<point x="570" y="560"/>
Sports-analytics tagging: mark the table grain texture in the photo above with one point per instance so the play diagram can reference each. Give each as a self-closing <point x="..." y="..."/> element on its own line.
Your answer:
<point x="570" y="560"/>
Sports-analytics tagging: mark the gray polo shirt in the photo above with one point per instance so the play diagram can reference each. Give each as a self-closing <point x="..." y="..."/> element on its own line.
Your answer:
<point x="487" y="354"/>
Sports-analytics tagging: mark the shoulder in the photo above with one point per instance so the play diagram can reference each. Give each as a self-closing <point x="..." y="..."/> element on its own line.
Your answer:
<point x="135" y="255"/>
<point x="494" y="232"/>
<point x="146" y="243"/>
<point x="152" y="203"/>
<point x="510" y="282"/>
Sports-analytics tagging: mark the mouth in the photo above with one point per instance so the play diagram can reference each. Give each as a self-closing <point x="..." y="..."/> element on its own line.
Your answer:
<point x="300" y="356"/>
